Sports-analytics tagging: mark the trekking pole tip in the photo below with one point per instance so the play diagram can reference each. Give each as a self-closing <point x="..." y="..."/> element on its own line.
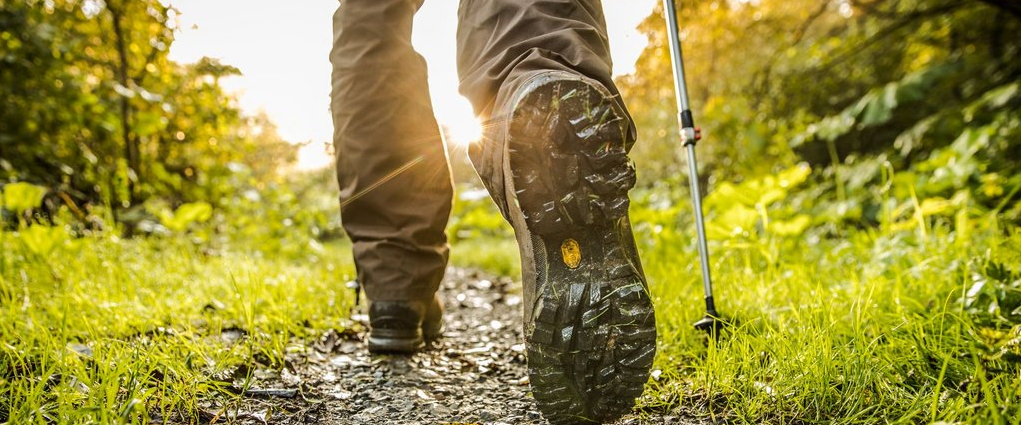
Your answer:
<point x="711" y="323"/>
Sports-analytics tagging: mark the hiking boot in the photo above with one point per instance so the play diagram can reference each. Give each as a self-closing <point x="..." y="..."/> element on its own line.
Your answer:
<point x="555" y="160"/>
<point x="404" y="326"/>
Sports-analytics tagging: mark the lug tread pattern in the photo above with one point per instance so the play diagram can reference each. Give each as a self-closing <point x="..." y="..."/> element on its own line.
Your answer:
<point x="590" y="367"/>
<point x="593" y="338"/>
<point x="573" y="130"/>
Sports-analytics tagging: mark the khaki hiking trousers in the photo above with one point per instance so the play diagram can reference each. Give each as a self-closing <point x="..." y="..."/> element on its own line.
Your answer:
<point x="395" y="183"/>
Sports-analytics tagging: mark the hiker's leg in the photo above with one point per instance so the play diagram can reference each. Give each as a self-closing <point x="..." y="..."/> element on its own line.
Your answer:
<point x="394" y="178"/>
<point x="554" y="158"/>
<point x="500" y="41"/>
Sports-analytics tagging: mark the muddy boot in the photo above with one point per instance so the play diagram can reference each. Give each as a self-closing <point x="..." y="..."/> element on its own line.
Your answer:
<point x="404" y="326"/>
<point x="555" y="160"/>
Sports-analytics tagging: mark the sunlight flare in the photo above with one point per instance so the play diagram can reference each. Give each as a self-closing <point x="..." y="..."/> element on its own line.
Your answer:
<point x="313" y="156"/>
<point x="463" y="131"/>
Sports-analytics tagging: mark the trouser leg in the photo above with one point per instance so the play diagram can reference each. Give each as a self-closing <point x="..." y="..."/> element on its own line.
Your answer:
<point x="554" y="158"/>
<point x="395" y="184"/>
<point x="501" y="41"/>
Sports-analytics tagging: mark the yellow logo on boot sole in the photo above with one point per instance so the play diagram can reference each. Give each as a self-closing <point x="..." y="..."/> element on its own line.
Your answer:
<point x="571" y="253"/>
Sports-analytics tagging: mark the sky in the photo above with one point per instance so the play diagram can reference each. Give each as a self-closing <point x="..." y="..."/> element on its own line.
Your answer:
<point x="282" y="49"/>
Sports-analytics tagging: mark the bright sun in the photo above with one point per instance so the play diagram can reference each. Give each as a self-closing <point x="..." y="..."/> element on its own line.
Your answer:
<point x="463" y="130"/>
<point x="222" y="29"/>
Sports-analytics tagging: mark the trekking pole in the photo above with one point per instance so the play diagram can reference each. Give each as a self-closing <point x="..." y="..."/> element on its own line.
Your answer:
<point x="689" y="136"/>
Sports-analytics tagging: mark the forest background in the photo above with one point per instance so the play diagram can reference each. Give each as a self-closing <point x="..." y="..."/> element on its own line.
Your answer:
<point x="860" y="160"/>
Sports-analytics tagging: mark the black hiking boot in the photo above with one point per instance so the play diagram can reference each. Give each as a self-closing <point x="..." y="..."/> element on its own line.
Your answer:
<point x="404" y="326"/>
<point x="555" y="160"/>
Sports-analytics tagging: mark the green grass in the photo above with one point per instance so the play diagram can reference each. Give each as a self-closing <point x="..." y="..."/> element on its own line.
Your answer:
<point x="872" y="326"/>
<point x="868" y="326"/>
<point x="498" y="256"/>
<point x="105" y="330"/>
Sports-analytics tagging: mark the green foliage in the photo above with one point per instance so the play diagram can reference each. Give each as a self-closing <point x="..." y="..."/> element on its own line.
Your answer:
<point x="877" y="106"/>
<point x="730" y="50"/>
<point x="476" y="216"/>
<point x="756" y="206"/>
<point x="862" y="163"/>
<point x="882" y="87"/>
<point x="20" y="197"/>
<point x="93" y="109"/>
<point x="185" y="215"/>
<point x="994" y="297"/>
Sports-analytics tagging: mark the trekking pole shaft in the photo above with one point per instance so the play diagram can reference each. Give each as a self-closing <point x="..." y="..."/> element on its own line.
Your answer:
<point x="703" y="248"/>
<point x="689" y="137"/>
<point x="675" y="56"/>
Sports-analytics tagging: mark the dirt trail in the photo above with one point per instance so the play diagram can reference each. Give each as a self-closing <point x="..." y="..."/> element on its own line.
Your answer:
<point x="475" y="374"/>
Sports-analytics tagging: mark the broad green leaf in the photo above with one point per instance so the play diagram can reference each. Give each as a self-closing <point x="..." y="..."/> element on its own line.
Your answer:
<point x="877" y="106"/>
<point x="792" y="227"/>
<point x="185" y="215"/>
<point x="936" y="206"/>
<point x="727" y="195"/>
<point x="907" y="140"/>
<point x="734" y="222"/>
<point x="194" y="212"/>
<point x="770" y="195"/>
<point x="994" y="98"/>
<point x="20" y="197"/>
<point x="794" y="176"/>
<point x="880" y="109"/>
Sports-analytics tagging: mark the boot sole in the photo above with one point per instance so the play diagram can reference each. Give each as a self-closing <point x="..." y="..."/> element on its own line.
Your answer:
<point x="385" y="342"/>
<point x="403" y="343"/>
<point x="592" y="337"/>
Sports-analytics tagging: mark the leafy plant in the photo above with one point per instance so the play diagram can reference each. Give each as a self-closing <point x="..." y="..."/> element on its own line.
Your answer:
<point x="19" y="197"/>
<point x="994" y="297"/>
<point x="185" y="215"/>
<point x="754" y="207"/>
<point x="93" y="108"/>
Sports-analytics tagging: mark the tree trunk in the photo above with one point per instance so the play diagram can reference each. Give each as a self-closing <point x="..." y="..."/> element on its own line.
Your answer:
<point x="131" y="149"/>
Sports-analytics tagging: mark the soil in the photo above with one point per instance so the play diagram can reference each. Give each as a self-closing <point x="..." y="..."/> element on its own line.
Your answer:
<point x="476" y="373"/>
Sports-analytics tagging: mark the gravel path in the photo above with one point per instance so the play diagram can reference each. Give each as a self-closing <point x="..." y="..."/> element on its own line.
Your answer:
<point x="476" y="373"/>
